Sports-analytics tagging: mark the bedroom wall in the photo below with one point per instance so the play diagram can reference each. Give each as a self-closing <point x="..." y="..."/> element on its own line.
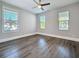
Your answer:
<point x="26" y="22"/>
<point x="52" y="22"/>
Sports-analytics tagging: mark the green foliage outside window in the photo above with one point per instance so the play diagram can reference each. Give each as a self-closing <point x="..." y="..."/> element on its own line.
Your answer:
<point x="10" y="20"/>
<point x="42" y="22"/>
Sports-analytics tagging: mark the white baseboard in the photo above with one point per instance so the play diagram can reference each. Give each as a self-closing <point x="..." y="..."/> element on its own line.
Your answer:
<point x="62" y="37"/>
<point x="16" y="37"/>
<point x="51" y="35"/>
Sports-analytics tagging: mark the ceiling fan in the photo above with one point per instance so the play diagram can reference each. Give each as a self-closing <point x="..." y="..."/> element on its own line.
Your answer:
<point x="40" y="5"/>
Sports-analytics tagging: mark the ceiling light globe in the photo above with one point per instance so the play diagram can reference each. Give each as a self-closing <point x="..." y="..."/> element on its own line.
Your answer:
<point x="39" y="6"/>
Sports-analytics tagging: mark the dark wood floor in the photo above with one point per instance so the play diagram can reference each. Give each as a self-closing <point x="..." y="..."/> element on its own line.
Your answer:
<point x="39" y="47"/>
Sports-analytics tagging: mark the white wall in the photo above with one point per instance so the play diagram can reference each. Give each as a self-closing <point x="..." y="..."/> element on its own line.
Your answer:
<point x="26" y="22"/>
<point x="52" y="22"/>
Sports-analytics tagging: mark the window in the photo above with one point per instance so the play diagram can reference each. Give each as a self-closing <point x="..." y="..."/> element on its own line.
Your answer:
<point x="10" y="20"/>
<point x="63" y="20"/>
<point x="42" y="22"/>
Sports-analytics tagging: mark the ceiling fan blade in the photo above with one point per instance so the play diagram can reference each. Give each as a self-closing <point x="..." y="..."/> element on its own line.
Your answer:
<point x="45" y="4"/>
<point x="36" y="2"/>
<point x="34" y="7"/>
<point x="39" y="1"/>
<point x="42" y="8"/>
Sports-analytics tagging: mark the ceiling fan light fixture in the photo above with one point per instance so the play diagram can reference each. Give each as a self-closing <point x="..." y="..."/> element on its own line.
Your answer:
<point x="39" y="6"/>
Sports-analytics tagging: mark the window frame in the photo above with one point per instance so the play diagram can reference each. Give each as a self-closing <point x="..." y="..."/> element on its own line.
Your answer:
<point x="44" y="22"/>
<point x="3" y="20"/>
<point x="63" y="29"/>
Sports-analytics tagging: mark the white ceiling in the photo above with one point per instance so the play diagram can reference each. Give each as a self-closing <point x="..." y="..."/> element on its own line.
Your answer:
<point x="28" y="4"/>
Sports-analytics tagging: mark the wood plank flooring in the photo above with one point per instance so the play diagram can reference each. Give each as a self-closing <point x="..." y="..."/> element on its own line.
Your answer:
<point x="39" y="46"/>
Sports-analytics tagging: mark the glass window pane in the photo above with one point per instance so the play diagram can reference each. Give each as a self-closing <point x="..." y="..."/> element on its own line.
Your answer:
<point x="42" y="22"/>
<point x="63" y="20"/>
<point x="63" y="24"/>
<point x="64" y="15"/>
<point x="10" y="20"/>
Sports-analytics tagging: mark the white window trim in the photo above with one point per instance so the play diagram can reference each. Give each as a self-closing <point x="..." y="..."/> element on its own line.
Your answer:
<point x="67" y="20"/>
<point x="45" y="22"/>
<point x="7" y="8"/>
